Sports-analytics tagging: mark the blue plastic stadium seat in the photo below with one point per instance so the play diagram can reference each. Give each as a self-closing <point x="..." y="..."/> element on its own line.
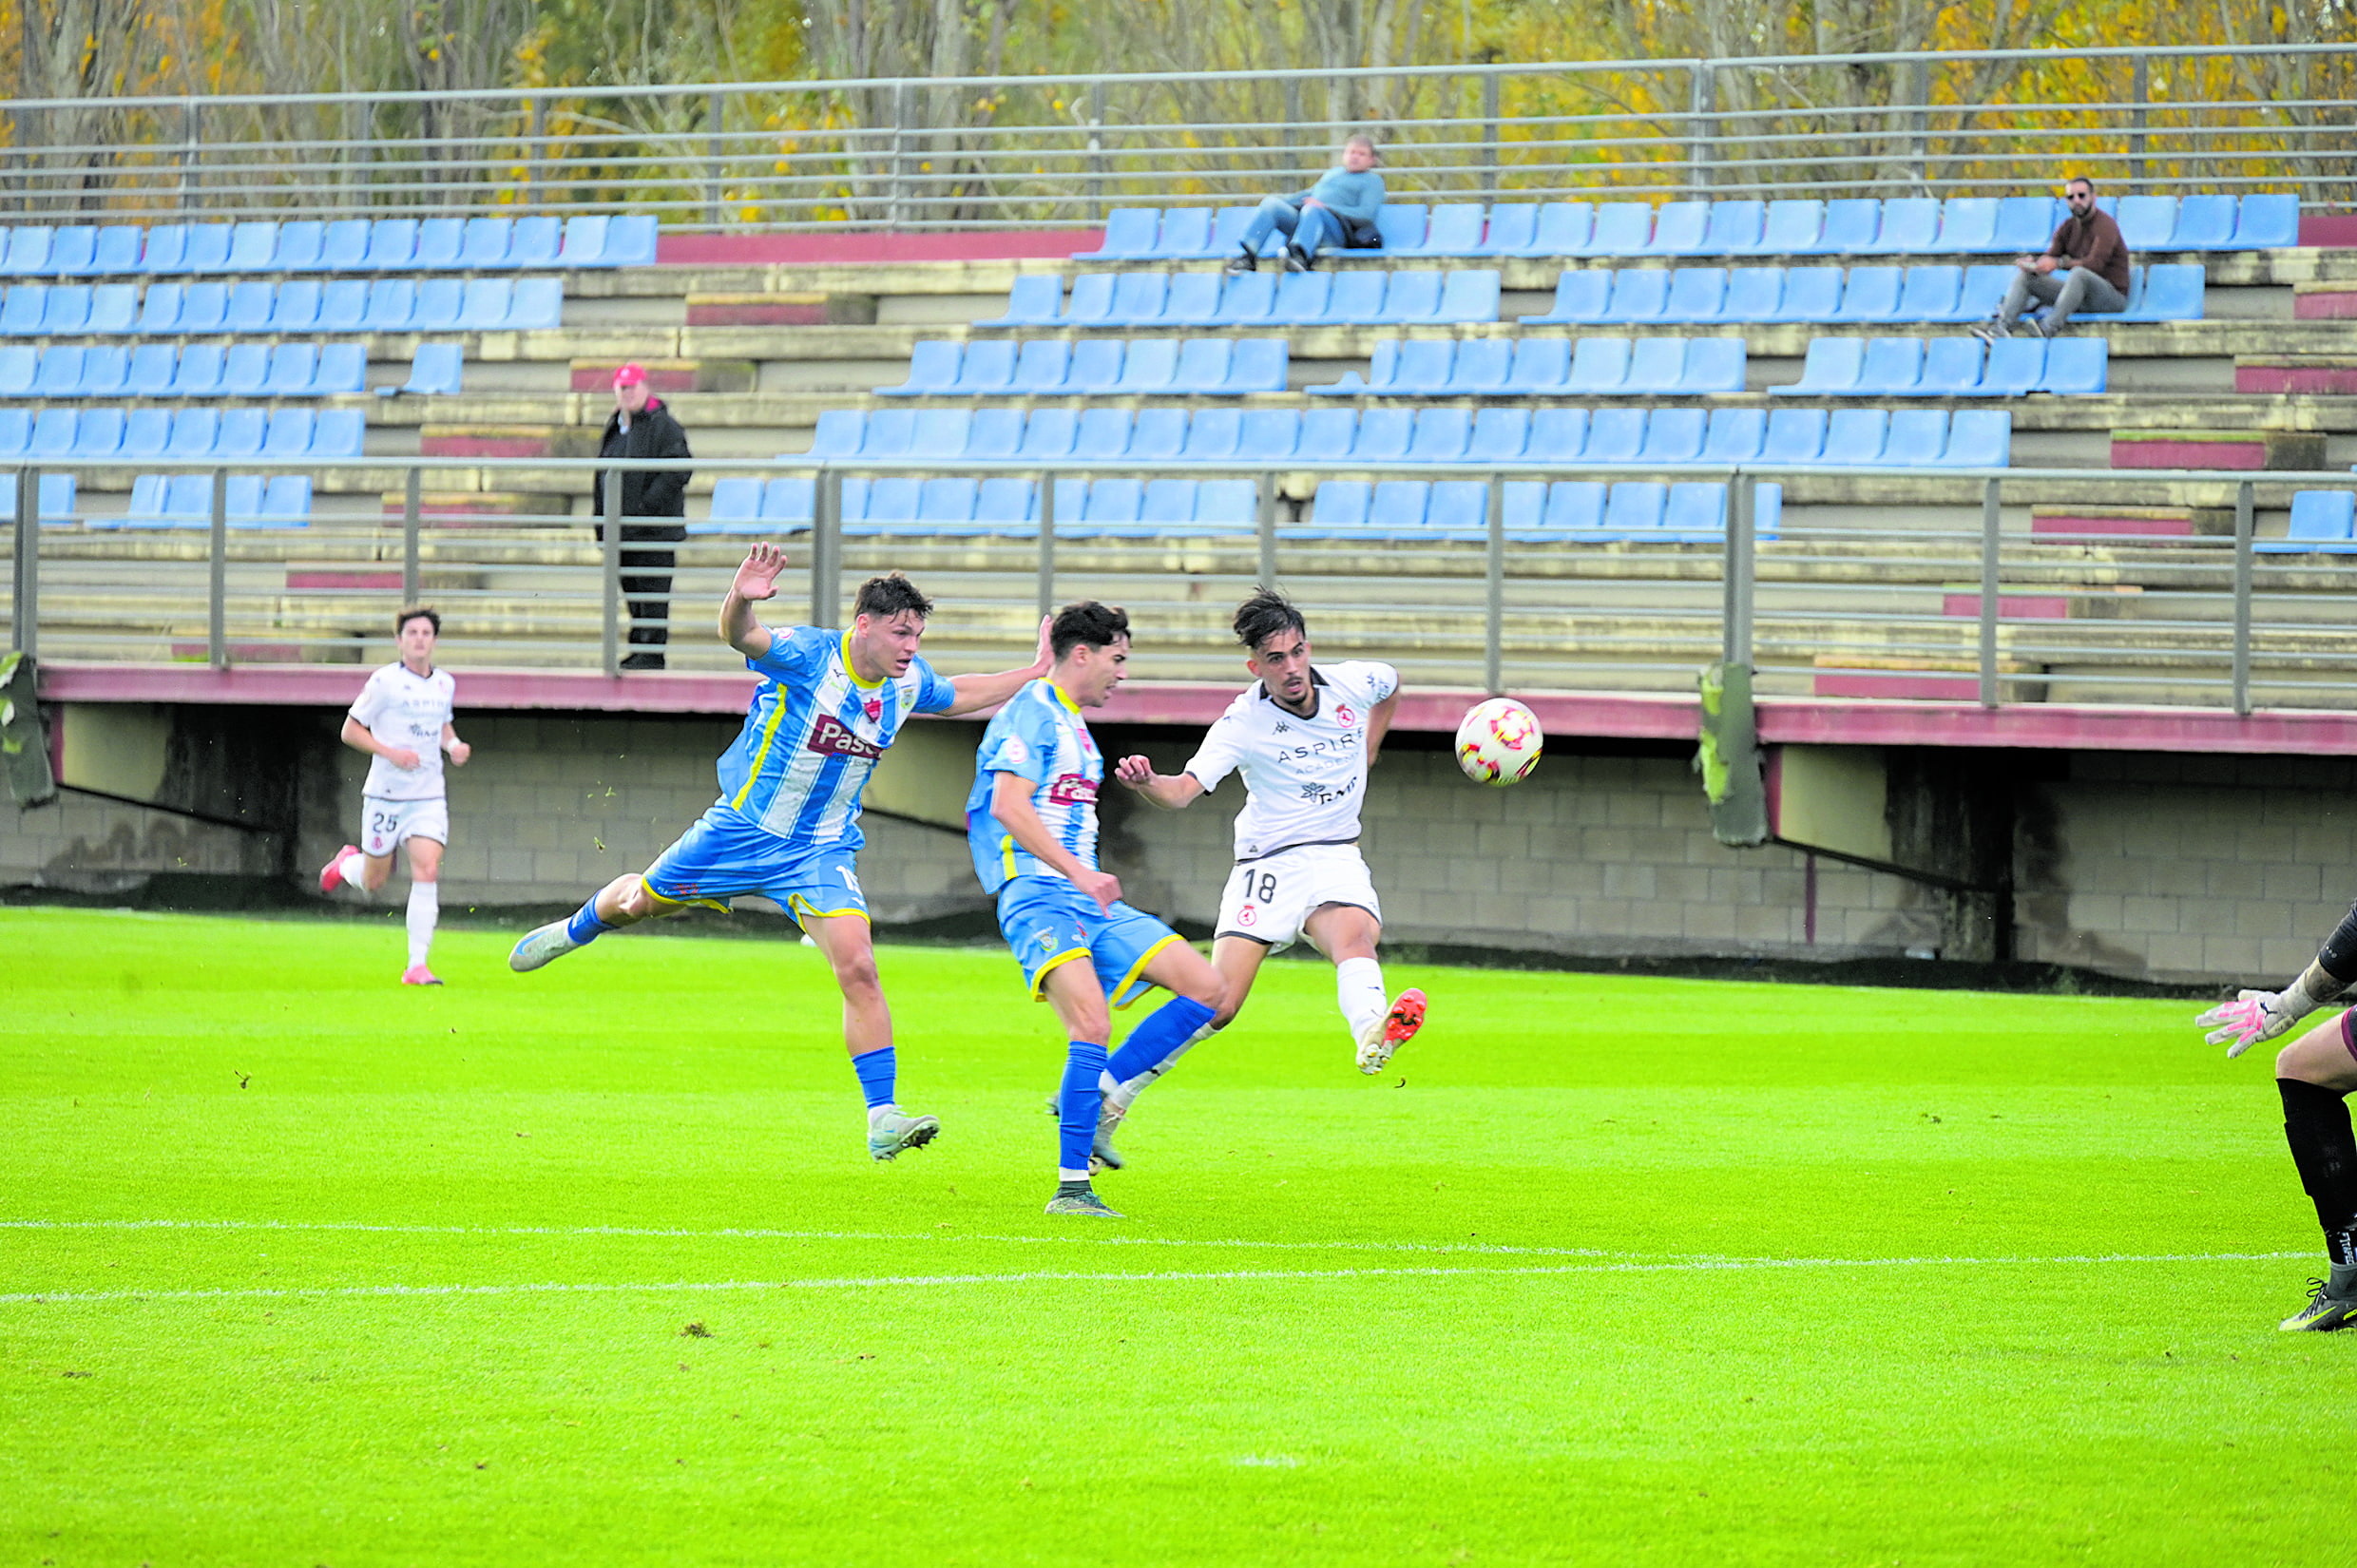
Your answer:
<point x="1050" y="433"/>
<point x="1565" y="228"/>
<point x="1457" y="508"/>
<point x="1892" y="367"/>
<point x="1931" y="294"/>
<point x="1794" y="228"/>
<point x="1111" y="507"/>
<point x="735" y="508"/>
<point x="199" y="371"/>
<point x="2016" y="365"/>
<point x="15" y="432"/>
<point x="1129" y="236"/>
<point x="1811" y="293"/>
<point x="1340" y="506"/>
<point x="1615" y="435"/>
<point x="114" y="308"/>
<point x="22" y="309"/>
<point x="1413" y="299"/>
<point x="1754" y="294"/>
<point x="1851" y="226"/>
<point x="1441" y="436"/>
<point x="203" y="307"/>
<point x="1540" y="365"/>
<point x="1910" y="226"/>
<point x="1697" y="294"/>
<point x="1500" y="435"/>
<point x="244" y="370"/>
<point x="946" y="506"/>
<point x="2321" y="521"/>
<point x="630" y="240"/>
<point x="343" y="304"/>
<point x="1005" y="504"/>
<point x="1467" y="295"/>
<point x="288" y="433"/>
<point x="1623" y="228"/>
<point x="1384" y="436"/>
<point x="937" y="433"/>
<point x="106" y="370"/>
<point x="1227" y="233"/>
<point x="98" y="433"/>
<point x="1302" y="297"/>
<point x="1213" y="434"/>
<point x="1794" y="435"/>
<point x="1638" y="294"/>
<point x="1398" y="507"/>
<point x="297" y="247"/>
<point x="118" y="250"/>
<point x="2204" y="223"/>
<point x="28" y="251"/>
<point x="1270" y="434"/>
<point x="1327" y="434"/>
<point x="1150" y="365"/>
<point x="1402" y="225"/>
<point x="242" y="432"/>
<point x="1575" y="506"/>
<point x="208" y="248"/>
<point x="440" y="241"/>
<point x="538" y="305"/>
<point x="69" y="309"/>
<point x="72" y="249"/>
<point x="439" y="302"/>
<point x="891" y="432"/>
<point x="1695" y="511"/>
<point x="1635" y="508"/>
<point x="1137" y="299"/>
<point x="1580" y="298"/>
<point x="933" y="369"/>
<point x="1246" y="299"/>
<point x="2172" y="292"/>
<point x="838" y="433"/>
<point x="1871" y="294"/>
<point x="435" y="370"/>
<point x="145" y="432"/>
<point x="1193" y="300"/>
<point x="1979" y="438"/>
<point x="1205" y="365"/>
<point x="392" y="305"/>
<point x="989" y="366"/>
<point x="165" y="249"/>
<point x="1225" y="505"/>
<point x="1674" y="435"/>
<point x="2025" y="224"/>
<point x="342" y="369"/>
<point x="1481" y="368"/>
<point x="1831" y="368"/>
<point x="1984" y="290"/>
<point x="294" y="305"/>
<point x="343" y="245"/>
<point x="60" y="375"/>
<point x="1159" y="435"/>
<point x="1855" y="437"/>
<point x="1559" y="435"/>
<point x="1735" y="228"/>
<point x="1713" y="365"/>
<point x="393" y="243"/>
<point x="1599" y="364"/>
<point x="1419" y="366"/>
<point x="1184" y="234"/>
<point x="485" y="241"/>
<point x="1735" y="435"/>
<point x="52" y="435"/>
<point x="1917" y="438"/>
<point x="2146" y="223"/>
<point x="2076" y="366"/>
<point x="2269" y="220"/>
<point x="1454" y="229"/>
<point x="535" y="242"/>
<point x="254" y="247"/>
<point x="995" y="434"/>
<point x="1167" y="508"/>
<point x="1041" y="366"/>
<point x="250" y="306"/>
<point x="1951" y="368"/>
<point x="1679" y="228"/>
<point x="1655" y="366"/>
<point x="1968" y="226"/>
<point x="1513" y="230"/>
<point x="483" y="303"/>
<point x="1261" y="365"/>
<point x="19" y="362"/>
<point x="585" y="236"/>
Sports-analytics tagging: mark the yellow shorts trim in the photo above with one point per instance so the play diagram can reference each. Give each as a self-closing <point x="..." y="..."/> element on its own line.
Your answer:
<point x="665" y="905"/>
<point x="1138" y="968"/>
<point x="800" y="908"/>
<point x="1039" y="980"/>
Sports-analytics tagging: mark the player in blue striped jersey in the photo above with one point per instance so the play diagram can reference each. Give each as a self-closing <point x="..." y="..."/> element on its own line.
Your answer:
<point x="1031" y="823"/>
<point x="787" y="822"/>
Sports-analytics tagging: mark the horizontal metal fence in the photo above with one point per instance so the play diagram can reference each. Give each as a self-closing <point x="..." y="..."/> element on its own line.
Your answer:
<point x="1986" y="609"/>
<point x="1008" y="152"/>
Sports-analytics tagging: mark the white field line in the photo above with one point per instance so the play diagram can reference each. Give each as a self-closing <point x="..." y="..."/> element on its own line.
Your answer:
<point x="1028" y="1277"/>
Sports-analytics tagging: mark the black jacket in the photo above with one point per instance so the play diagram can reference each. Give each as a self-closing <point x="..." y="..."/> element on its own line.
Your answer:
<point x="653" y="434"/>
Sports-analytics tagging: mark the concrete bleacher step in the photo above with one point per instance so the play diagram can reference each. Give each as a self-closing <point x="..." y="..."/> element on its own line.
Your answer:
<point x="665" y="377"/>
<point x="1918" y="679"/>
<point x="447" y="507"/>
<point x="2325" y="301"/>
<point x="2131" y="521"/>
<point x="2311" y="374"/>
<point x="800" y="308"/>
<point x="2252" y="451"/>
<point x="509" y="441"/>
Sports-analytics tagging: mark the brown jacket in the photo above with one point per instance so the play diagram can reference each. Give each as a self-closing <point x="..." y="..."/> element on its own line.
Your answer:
<point x="2094" y="243"/>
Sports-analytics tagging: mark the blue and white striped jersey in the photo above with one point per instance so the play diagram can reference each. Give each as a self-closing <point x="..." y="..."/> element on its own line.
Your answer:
<point x="813" y="734"/>
<point x="1038" y="735"/>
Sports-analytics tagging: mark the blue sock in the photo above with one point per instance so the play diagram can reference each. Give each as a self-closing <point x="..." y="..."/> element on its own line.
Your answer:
<point x="1163" y="1031"/>
<point x="1079" y="1100"/>
<point x="875" y="1070"/>
<point x="585" y="927"/>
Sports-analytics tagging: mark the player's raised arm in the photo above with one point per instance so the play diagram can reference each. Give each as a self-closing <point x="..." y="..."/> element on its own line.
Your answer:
<point x="977" y="691"/>
<point x="755" y="580"/>
<point x="1172" y="791"/>
<point x="1010" y="802"/>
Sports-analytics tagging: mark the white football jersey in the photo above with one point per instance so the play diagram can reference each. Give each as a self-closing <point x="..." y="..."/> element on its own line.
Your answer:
<point x="1303" y="778"/>
<point x="401" y="709"/>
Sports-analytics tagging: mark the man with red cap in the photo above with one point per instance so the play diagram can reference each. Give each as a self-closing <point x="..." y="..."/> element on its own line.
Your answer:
<point x="642" y="427"/>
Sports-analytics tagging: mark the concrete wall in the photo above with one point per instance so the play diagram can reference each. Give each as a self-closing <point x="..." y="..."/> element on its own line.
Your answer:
<point x="2159" y="866"/>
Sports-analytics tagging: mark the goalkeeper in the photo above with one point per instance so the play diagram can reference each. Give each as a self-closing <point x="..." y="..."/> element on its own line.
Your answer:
<point x="2314" y="1074"/>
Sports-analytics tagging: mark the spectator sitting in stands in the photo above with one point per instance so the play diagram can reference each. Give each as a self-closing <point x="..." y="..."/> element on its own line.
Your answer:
<point x="1340" y="208"/>
<point x="2091" y="256"/>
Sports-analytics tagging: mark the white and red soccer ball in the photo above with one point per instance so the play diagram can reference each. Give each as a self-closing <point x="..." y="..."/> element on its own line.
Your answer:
<point x="1498" y="742"/>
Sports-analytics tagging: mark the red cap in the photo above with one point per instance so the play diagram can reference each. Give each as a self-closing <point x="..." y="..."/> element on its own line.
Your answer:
<point x="630" y="375"/>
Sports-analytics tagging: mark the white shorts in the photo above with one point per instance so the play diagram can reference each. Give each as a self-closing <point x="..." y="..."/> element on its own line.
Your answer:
<point x="387" y="823"/>
<point x="1268" y="899"/>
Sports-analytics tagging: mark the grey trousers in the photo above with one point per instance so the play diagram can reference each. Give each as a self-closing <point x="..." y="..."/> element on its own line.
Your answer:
<point x="2081" y="290"/>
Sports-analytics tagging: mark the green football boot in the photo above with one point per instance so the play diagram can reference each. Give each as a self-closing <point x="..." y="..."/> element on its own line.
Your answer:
<point x="1085" y="1201"/>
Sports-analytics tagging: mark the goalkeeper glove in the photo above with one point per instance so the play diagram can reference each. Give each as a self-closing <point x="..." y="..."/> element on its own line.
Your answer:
<point x="2256" y="1016"/>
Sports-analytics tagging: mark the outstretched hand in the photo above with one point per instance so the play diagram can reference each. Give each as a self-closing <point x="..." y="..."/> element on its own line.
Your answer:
<point x="1136" y="772"/>
<point x="2247" y="1021"/>
<point x="758" y="577"/>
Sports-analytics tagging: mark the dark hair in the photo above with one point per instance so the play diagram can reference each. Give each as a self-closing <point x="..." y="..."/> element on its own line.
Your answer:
<point x="2080" y="180"/>
<point x="415" y="612"/>
<point x="1098" y="626"/>
<point x="890" y="596"/>
<point x="1264" y="616"/>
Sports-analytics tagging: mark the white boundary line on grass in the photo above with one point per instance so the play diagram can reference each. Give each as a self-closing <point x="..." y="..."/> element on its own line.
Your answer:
<point x="1031" y="1277"/>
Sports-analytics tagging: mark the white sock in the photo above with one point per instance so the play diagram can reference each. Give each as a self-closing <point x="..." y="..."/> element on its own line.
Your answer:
<point x="1358" y="987"/>
<point x="425" y="908"/>
<point x="1122" y="1095"/>
<point x="353" y="870"/>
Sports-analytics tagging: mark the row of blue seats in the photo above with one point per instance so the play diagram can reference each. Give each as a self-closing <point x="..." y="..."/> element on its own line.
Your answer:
<point x="1534" y="511"/>
<point x="1851" y="226"/>
<point x="64" y="436"/>
<point x="1974" y="438"/>
<point x="351" y="304"/>
<point x="1222" y="367"/>
<point x="1717" y="296"/>
<point x="185" y="501"/>
<point x="1502" y="366"/>
<point x="1407" y="298"/>
<point x="1950" y="367"/>
<point x="351" y="245"/>
<point x="2323" y="522"/>
<point x="170" y="370"/>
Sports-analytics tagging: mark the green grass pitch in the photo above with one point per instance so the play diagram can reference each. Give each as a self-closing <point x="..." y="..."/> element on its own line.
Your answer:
<point x="590" y="1266"/>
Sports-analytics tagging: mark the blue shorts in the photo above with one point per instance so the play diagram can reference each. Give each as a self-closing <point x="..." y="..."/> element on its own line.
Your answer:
<point x="1048" y="922"/>
<point x="725" y="854"/>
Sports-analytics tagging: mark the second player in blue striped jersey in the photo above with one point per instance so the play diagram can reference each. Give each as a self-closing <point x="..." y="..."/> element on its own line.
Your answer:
<point x="786" y="825"/>
<point x="1040" y="736"/>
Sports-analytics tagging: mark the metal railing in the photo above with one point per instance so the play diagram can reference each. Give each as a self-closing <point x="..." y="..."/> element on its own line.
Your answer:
<point x="1010" y="152"/>
<point x="1984" y="609"/>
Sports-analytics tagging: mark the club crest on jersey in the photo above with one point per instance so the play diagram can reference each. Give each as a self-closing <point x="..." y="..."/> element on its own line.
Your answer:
<point x="1343" y="714"/>
<point x="835" y="738"/>
<point x="874" y="707"/>
<point x="1072" y="789"/>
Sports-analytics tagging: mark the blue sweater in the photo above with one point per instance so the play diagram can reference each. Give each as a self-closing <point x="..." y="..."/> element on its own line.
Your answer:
<point x="1354" y="197"/>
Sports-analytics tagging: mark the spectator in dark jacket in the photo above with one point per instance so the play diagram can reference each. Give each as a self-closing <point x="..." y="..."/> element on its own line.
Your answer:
<point x="642" y="427"/>
<point x="1338" y="210"/>
<point x="2092" y="261"/>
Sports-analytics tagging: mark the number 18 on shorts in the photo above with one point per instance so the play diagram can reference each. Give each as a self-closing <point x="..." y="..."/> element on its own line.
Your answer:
<point x="1268" y="899"/>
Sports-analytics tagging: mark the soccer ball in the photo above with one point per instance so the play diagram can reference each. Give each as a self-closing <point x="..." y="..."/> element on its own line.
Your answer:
<point x="1498" y="742"/>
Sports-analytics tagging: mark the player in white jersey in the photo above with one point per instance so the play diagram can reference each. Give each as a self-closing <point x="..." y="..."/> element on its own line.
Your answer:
<point x="1302" y="735"/>
<point x="403" y="721"/>
<point x="786" y="825"/>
